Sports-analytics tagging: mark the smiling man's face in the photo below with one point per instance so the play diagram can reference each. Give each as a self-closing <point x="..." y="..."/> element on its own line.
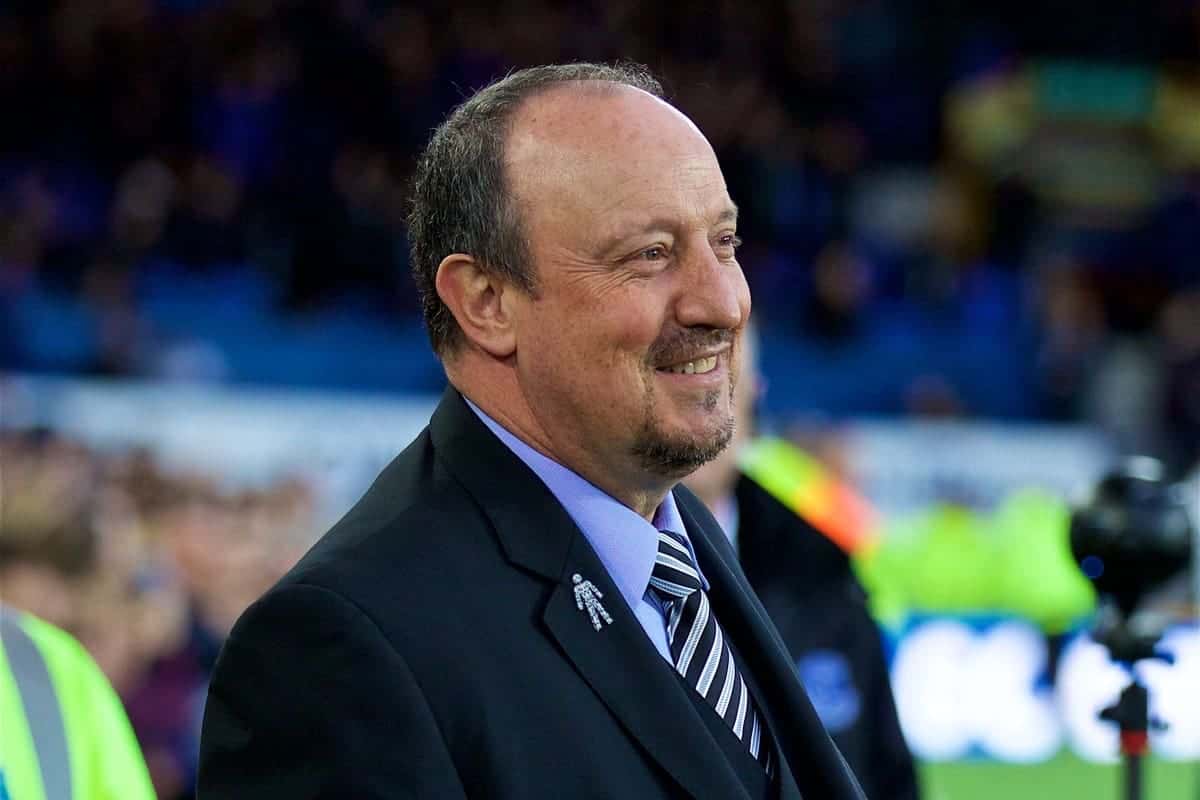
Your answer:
<point x="624" y="351"/>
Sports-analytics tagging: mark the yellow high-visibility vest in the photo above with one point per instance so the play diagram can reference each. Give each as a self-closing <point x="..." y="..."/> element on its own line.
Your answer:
<point x="63" y="732"/>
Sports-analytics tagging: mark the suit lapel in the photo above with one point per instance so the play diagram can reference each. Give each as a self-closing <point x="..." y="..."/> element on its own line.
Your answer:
<point x="618" y="662"/>
<point x="818" y="768"/>
<point x="638" y="687"/>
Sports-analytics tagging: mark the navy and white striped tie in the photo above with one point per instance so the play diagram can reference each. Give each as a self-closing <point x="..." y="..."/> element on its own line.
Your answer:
<point x="698" y="646"/>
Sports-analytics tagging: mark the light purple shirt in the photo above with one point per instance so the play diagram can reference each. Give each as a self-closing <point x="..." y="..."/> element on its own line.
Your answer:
<point x="625" y="542"/>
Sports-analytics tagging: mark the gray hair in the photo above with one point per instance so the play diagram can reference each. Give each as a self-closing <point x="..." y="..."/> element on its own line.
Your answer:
<point x="462" y="201"/>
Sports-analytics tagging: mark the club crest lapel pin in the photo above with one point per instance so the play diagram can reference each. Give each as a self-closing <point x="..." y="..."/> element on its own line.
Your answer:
<point x="587" y="597"/>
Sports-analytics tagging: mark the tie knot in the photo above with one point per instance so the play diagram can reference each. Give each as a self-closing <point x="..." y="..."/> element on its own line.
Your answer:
<point x="675" y="575"/>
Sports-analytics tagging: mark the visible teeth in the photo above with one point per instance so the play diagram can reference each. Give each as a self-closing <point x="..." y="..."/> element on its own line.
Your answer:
<point x="700" y="366"/>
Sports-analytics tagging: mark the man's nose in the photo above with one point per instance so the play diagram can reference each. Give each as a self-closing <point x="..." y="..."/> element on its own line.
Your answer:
<point x="713" y="292"/>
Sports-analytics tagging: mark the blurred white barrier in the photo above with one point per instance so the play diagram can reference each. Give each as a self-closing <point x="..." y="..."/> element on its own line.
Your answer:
<point x="339" y="442"/>
<point x="969" y="689"/>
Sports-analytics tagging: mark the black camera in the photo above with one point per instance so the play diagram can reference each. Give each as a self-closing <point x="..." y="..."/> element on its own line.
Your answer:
<point x="1132" y="537"/>
<point x="1134" y="533"/>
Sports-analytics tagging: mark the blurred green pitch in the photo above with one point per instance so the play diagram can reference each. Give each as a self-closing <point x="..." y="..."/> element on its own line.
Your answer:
<point x="1064" y="777"/>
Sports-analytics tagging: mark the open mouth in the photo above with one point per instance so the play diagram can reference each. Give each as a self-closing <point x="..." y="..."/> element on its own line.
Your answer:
<point x="697" y="366"/>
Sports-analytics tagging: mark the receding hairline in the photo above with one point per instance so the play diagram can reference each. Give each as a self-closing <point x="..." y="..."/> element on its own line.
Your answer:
<point x="527" y="120"/>
<point x="583" y="87"/>
<point x="530" y="129"/>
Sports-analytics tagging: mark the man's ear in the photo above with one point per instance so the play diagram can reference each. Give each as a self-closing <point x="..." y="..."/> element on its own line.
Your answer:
<point x="477" y="301"/>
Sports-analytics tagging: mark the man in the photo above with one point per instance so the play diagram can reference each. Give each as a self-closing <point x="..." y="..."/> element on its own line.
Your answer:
<point x="522" y="605"/>
<point x="63" y="732"/>
<point x="807" y="586"/>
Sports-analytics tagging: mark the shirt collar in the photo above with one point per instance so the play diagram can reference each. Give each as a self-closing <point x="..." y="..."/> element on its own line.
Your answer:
<point x="625" y="542"/>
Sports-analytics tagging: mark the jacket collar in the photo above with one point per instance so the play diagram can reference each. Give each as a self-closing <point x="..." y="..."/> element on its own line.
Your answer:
<point x="533" y="528"/>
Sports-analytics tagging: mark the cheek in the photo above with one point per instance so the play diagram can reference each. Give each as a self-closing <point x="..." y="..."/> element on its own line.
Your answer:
<point x="610" y="332"/>
<point x="614" y="337"/>
<point x="636" y="324"/>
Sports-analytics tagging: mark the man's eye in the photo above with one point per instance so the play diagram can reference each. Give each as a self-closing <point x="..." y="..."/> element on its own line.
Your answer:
<point x="656" y="253"/>
<point x="730" y="240"/>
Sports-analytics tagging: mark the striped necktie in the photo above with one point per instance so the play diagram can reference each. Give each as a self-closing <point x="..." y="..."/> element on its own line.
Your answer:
<point x="698" y="647"/>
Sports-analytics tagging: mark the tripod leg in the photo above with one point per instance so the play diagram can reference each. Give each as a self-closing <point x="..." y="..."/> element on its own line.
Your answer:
<point x="1132" y="713"/>
<point x="1133" y="776"/>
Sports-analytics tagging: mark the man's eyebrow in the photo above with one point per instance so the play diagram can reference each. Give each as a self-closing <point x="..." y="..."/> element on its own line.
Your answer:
<point x="665" y="223"/>
<point x="730" y="214"/>
<point x="618" y="235"/>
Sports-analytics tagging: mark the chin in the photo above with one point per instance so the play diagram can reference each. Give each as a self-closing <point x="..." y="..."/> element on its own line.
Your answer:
<point x="677" y="456"/>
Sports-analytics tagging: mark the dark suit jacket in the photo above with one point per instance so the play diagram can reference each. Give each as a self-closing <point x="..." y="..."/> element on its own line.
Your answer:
<point x="806" y="584"/>
<point x="430" y="646"/>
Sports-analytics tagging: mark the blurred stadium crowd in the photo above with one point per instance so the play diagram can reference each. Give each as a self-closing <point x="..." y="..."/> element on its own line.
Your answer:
<point x="992" y="214"/>
<point x="982" y="212"/>
<point x="148" y="568"/>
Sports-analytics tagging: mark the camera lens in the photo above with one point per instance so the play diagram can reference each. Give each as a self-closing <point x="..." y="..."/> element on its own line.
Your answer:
<point x="1133" y="534"/>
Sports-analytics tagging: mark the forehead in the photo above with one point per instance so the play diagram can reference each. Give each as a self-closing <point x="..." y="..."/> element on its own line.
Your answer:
<point x="616" y="153"/>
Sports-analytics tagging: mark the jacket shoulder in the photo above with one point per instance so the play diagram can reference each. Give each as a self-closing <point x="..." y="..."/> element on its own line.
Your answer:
<point x="409" y="529"/>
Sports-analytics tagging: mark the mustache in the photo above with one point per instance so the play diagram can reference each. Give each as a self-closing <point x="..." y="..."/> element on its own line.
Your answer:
<point x="685" y="344"/>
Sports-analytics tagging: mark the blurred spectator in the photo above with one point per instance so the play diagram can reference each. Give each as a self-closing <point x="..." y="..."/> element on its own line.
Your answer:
<point x="1072" y="325"/>
<point x="205" y="229"/>
<point x="352" y="246"/>
<point x="148" y="569"/>
<point x="1181" y="333"/>
<point x="47" y="540"/>
<point x="65" y="734"/>
<point x="841" y="295"/>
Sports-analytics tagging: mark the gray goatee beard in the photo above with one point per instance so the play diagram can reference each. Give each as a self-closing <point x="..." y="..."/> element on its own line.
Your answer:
<point x="672" y="457"/>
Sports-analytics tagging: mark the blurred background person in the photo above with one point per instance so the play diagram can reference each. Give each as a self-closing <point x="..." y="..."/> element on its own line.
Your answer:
<point x="805" y="581"/>
<point x="65" y="733"/>
<point x="148" y="569"/>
